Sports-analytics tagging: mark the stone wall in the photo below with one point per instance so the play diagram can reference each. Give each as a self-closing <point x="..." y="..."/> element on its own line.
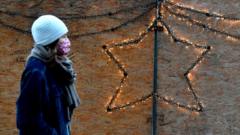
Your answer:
<point x="107" y="35"/>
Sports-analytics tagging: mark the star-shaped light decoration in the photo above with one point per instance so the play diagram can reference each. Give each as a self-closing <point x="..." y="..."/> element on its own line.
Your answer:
<point x="182" y="13"/>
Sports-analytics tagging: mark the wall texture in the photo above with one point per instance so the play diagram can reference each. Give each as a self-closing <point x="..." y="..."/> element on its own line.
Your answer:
<point x="212" y="74"/>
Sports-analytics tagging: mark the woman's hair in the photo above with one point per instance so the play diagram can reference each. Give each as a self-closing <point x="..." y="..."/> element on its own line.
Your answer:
<point x="52" y="45"/>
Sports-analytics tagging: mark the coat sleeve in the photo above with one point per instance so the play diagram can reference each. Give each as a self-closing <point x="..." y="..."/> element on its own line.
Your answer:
<point x="30" y="119"/>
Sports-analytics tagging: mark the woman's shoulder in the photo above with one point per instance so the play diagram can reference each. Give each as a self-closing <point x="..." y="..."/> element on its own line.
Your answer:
<point x="35" y="65"/>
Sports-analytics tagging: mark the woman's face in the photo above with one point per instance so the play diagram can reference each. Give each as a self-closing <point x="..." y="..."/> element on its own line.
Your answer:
<point x="63" y="46"/>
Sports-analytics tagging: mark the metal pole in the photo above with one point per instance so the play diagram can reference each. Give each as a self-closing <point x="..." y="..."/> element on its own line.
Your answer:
<point x="155" y="73"/>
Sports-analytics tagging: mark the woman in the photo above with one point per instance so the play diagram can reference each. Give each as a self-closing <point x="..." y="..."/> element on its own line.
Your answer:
<point x="48" y="95"/>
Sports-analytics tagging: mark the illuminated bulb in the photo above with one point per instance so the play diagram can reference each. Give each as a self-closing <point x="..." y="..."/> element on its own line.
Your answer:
<point x="120" y="91"/>
<point x="196" y="67"/>
<point x="218" y="14"/>
<point x="110" y="49"/>
<point x="228" y="37"/>
<point x="172" y="40"/>
<point x="197" y="50"/>
<point x="190" y="76"/>
<point x="205" y="10"/>
<point x="196" y="113"/>
<point x="179" y="19"/>
<point x="166" y="32"/>
<point x="231" y="38"/>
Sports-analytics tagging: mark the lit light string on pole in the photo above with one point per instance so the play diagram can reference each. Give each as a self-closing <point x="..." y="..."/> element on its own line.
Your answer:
<point x="171" y="8"/>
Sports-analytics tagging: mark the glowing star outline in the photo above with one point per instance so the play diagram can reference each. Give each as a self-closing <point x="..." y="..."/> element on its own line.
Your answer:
<point x="107" y="49"/>
<point x="163" y="25"/>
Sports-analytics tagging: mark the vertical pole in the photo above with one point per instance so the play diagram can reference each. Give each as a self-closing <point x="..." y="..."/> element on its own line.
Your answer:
<point x="155" y="73"/>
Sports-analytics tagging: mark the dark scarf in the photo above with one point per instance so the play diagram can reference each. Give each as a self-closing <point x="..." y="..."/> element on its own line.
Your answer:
<point x="64" y="65"/>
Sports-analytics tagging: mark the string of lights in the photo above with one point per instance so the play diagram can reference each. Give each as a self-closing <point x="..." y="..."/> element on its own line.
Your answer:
<point x="205" y="26"/>
<point x="115" y="27"/>
<point x="206" y="13"/>
<point x="109" y="13"/>
<point x="83" y="17"/>
<point x="147" y="8"/>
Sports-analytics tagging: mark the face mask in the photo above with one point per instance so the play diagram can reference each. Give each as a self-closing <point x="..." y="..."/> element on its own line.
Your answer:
<point x="63" y="46"/>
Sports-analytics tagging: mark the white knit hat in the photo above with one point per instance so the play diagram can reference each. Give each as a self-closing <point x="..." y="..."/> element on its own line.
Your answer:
<point x="47" y="29"/>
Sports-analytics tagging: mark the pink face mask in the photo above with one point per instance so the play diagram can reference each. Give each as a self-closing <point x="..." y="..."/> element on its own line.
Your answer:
<point x="63" y="46"/>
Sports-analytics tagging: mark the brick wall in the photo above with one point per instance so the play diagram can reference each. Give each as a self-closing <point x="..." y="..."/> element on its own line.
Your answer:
<point x="101" y="32"/>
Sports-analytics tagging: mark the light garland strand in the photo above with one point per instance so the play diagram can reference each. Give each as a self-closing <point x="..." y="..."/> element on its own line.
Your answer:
<point x="109" y="13"/>
<point x="205" y="26"/>
<point x="148" y="7"/>
<point x="207" y="14"/>
<point x="113" y="28"/>
<point x="193" y="65"/>
<point x="135" y="40"/>
<point x="83" y="17"/>
<point x="107" y="48"/>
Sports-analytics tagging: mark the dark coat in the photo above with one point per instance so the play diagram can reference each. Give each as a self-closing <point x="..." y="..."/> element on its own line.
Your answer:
<point x="41" y="108"/>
